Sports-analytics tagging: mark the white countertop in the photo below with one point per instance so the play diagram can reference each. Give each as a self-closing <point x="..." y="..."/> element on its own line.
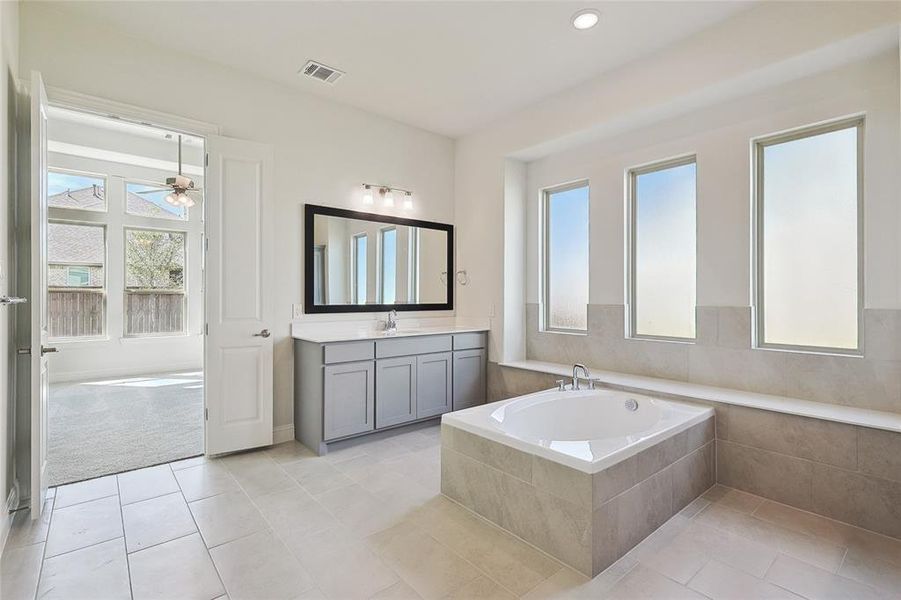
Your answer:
<point x="864" y="417"/>
<point x="326" y="332"/>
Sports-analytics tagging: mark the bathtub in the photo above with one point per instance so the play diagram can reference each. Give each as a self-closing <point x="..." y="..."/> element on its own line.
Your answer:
<point x="588" y="430"/>
<point x="583" y="475"/>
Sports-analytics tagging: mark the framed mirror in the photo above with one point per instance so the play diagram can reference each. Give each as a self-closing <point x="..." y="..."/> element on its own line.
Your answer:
<point x="363" y="262"/>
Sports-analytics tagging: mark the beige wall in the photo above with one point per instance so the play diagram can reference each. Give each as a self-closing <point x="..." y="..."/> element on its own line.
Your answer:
<point x="323" y="151"/>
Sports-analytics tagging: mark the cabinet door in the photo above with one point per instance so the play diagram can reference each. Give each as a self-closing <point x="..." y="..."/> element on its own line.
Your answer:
<point x="434" y="384"/>
<point x="348" y="399"/>
<point x="469" y="378"/>
<point x="395" y="395"/>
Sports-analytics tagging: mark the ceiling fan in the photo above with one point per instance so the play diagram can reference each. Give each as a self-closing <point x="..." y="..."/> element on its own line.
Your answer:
<point x="181" y="185"/>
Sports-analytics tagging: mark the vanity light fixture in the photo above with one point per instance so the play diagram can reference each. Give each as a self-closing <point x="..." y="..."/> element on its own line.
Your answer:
<point x="387" y="194"/>
<point x="586" y="19"/>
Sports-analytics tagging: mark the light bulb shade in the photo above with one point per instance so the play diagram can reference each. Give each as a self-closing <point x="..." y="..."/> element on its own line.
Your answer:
<point x="172" y="199"/>
<point x="367" y="195"/>
<point x="408" y="201"/>
<point x="389" y="198"/>
<point x="187" y="201"/>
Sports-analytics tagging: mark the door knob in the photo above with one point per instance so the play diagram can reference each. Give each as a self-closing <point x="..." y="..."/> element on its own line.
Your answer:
<point x="48" y="350"/>
<point x="263" y="334"/>
<point x="4" y="300"/>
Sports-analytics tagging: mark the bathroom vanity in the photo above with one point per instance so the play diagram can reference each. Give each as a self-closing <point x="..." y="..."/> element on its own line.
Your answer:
<point x="355" y="384"/>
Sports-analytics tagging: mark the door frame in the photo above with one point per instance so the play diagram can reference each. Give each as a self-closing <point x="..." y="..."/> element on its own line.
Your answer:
<point x="62" y="98"/>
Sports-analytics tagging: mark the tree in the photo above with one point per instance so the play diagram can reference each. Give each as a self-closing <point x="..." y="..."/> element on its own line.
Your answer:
<point x="154" y="259"/>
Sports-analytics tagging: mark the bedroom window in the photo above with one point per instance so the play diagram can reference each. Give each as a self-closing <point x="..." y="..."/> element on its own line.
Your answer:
<point x="564" y="274"/>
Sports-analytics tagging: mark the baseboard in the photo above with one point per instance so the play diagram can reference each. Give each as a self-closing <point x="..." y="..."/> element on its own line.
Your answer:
<point x="12" y="503"/>
<point x="121" y="372"/>
<point x="282" y="434"/>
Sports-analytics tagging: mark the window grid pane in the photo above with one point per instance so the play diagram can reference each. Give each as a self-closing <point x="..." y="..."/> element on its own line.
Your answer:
<point x="145" y="200"/>
<point x="154" y="282"/>
<point x="566" y="261"/>
<point x="76" y="191"/>
<point x="664" y="259"/>
<point x="809" y="236"/>
<point x="76" y="278"/>
<point x="389" y="266"/>
<point x="360" y="257"/>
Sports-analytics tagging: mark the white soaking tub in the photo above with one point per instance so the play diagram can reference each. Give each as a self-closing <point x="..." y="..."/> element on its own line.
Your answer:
<point x="583" y="475"/>
<point x="588" y="430"/>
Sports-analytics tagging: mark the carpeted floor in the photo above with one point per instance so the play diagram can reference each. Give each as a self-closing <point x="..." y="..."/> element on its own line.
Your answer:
<point x="108" y="426"/>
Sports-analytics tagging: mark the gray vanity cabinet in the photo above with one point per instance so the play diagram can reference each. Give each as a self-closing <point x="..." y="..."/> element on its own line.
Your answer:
<point x="348" y="399"/>
<point x="469" y="377"/>
<point x="434" y="394"/>
<point x="396" y="390"/>
<point x="347" y="388"/>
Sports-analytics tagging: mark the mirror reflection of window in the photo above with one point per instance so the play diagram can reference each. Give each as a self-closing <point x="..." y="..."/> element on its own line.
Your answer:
<point x="319" y="274"/>
<point x="359" y="270"/>
<point x="413" y="266"/>
<point x="388" y="266"/>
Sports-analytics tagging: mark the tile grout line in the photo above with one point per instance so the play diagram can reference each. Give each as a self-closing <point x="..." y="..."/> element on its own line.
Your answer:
<point x="199" y="533"/>
<point x="131" y="591"/>
<point x="46" y="543"/>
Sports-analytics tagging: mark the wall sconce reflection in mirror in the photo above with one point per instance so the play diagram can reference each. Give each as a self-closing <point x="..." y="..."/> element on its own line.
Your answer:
<point x="387" y="195"/>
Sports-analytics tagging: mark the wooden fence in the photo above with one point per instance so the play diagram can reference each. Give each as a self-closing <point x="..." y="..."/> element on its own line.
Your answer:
<point x="154" y="311"/>
<point x="80" y="313"/>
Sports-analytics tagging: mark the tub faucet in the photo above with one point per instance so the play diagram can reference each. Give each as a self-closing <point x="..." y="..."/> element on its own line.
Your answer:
<point x="576" y="368"/>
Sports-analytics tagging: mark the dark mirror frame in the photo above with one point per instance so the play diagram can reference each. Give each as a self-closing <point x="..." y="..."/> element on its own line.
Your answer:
<point x="310" y="212"/>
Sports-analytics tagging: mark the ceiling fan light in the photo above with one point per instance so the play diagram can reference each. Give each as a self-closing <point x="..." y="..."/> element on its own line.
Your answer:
<point x="172" y="199"/>
<point x="187" y="201"/>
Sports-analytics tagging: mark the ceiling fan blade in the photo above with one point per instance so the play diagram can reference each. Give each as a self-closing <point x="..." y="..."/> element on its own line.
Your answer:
<point x="162" y="189"/>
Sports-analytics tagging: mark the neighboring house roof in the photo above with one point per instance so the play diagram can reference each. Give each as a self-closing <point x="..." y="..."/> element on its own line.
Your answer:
<point x="89" y="198"/>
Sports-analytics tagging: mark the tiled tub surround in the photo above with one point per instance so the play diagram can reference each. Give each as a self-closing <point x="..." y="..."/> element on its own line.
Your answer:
<point x="722" y="356"/>
<point x="586" y="520"/>
<point x="850" y="473"/>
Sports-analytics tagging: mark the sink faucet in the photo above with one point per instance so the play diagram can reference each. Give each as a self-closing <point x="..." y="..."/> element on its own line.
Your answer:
<point x="576" y="368"/>
<point x="391" y="322"/>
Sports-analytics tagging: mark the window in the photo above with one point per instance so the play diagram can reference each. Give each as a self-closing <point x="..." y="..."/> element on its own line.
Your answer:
<point x="80" y="191"/>
<point x="319" y="274"/>
<point x="807" y="223"/>
<point x="154" y="282"/>
<point x="359" y="268"/>
<point x="148" y="200"/>
<point x="413" y="266"/>
<point x="662" y="250"/>
<point x="76" y="280"/>
<point x="388" y="277"/>
<point x="565" y="260"/>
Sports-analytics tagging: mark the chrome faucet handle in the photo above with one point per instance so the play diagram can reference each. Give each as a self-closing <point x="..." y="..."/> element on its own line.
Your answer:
<point x="561" y="385"/>
<point x="594" y="383"/>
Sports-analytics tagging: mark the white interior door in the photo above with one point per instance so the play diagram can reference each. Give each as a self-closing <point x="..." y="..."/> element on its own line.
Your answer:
<point x="240" y="278"/>
<point x="39" y="373"/>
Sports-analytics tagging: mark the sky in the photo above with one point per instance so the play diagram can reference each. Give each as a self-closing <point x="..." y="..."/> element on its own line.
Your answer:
<point x="810" y="241"/>
<point x="665" y="243"/>
<point x="568" y="259"/>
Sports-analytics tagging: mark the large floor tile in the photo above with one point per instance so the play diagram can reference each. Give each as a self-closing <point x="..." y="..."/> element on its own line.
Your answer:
<point x="722" y="582"/>
<point x="872" y="571"/>
<point x="155" y="521"/>
<point x="316" y="476"/>
<point x="258" y="474"/>
<point x="99" y="571"/>
<point x="430" y="568"/>
<point x="92" y="489"/>
<point x="288" y="452"/>
<point x="815" y="583"/>
<point x="399" y="591"/>
<point x="179" y="569"/>
<point x="19" y="571"/>
<point x="205" y="480"/>
<point x="144" y="484"/>
<point x="83" y="525"/>
<point x="294" y="510"/>
<point x="260" y="566"/>
<point x="482" y="588"/>
<point x="226" y="517"/>
<point x="644" y="583"/>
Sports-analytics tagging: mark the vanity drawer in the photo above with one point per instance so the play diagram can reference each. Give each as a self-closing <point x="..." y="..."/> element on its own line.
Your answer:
<point x="348" y="352"/>
<point x="468" y="341"/>
<point x="412" y="345"/>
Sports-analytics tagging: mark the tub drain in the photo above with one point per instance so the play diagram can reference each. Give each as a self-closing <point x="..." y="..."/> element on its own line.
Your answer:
<point x="631" y="404"/>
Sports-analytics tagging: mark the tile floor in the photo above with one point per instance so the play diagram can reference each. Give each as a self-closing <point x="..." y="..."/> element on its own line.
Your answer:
<point x="368" y="522"/>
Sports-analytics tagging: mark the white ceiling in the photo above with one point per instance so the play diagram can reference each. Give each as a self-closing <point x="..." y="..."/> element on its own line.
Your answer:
<point x="448" y="67"/>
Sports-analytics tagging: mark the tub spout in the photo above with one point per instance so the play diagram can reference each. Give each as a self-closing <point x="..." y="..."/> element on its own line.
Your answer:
<point x="586" y="375"/>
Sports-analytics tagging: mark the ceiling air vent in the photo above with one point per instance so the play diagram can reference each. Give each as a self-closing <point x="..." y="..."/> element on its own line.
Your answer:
<point x="321" y="72"/>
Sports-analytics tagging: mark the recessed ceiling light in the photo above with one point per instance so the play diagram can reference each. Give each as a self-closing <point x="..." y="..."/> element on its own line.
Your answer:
<point x="586" y="18"/>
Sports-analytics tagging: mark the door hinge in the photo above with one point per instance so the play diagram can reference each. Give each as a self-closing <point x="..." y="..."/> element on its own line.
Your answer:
<point x="206" y="329"/>
<point x="206" y="159"/>
<point x="206" y="414"/>
<point x="206" y="244"/>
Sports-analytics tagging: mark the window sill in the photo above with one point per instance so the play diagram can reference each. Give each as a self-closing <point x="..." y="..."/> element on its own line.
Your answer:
<point x="665" y="340"/>
<point x="564" y="332"/>
<point x="157" y="338"/>
<point x="812" y="351"/>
